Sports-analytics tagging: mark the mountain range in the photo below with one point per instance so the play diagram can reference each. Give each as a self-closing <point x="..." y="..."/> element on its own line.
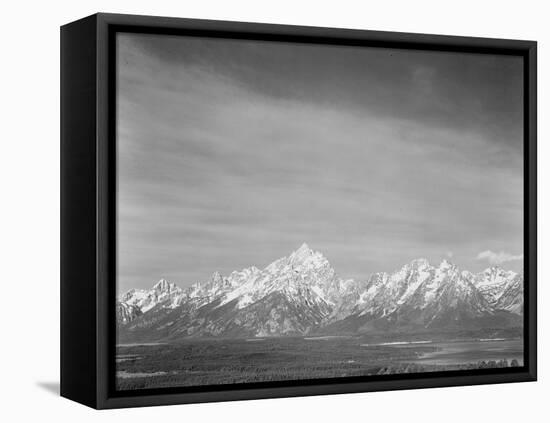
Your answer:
<point x="302" y="294"/>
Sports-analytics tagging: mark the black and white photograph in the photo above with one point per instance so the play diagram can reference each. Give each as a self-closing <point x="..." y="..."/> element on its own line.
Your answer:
<point x="292" y="211"/>
<point x="244" y="212"/>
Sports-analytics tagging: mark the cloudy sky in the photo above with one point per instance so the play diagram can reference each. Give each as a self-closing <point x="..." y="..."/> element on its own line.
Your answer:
<point x="233" y="153"/>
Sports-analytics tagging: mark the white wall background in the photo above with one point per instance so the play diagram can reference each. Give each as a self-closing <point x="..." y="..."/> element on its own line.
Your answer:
<point x="29" y="178"/>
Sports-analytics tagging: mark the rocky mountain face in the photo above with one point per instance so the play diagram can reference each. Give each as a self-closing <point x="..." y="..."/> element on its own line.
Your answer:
<point x="125" y="313"/>
<point x="503" y="289"/>
<point x="512" y="297"/>
<point x="301" y="294"/>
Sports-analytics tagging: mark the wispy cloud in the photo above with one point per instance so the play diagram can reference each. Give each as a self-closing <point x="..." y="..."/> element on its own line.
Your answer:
<point x="498" y="258"/>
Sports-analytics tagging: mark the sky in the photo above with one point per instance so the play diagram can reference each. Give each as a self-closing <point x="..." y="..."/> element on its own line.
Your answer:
<point x="232" y="153"/>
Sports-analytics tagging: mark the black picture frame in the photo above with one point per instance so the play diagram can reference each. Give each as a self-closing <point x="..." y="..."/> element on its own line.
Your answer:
<point x="88" y="197"/>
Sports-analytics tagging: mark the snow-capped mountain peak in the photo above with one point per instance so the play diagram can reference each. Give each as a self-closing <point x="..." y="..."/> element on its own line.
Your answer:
<point x="494" y="275"/>
<point x="305" y="256"/>
<point x="164" y="286"/>
<point x="302" y="253"/>
<point x="446" y="265"/>
<point x="162" y="292"/>
<point x="301" y="292"/>
<point x="420" y="263"/>
<point x="494" y="282"/>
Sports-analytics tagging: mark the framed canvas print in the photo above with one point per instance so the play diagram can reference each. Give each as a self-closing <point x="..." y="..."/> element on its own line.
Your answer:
<point x="254" y="211"/>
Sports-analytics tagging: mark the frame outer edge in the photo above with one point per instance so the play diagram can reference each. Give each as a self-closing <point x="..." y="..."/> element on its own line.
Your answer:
<point x="106" y="273"/>
<point x="532" y="204"/>
<point x="78" y="275"/>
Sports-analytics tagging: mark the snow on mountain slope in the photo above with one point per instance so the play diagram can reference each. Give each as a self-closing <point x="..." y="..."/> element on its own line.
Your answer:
<point x="125" y="313"/>
<point x="492" y="283"/>
<point x="445" y="300"/>
<point x="303" y="277"/>
<point x="386" y="292"/>
<point x="291" y="295"/>
<point x="301" y="293"/>
<point x="511" y="298"/>
<point x="162" y="292"/>
<point x="418" y="296"/>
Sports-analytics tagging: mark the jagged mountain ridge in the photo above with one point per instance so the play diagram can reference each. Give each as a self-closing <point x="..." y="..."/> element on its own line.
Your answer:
<point x="302" y="294"/>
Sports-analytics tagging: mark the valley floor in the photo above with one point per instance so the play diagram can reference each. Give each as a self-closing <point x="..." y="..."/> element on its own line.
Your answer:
<point x="199" y="362"/>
